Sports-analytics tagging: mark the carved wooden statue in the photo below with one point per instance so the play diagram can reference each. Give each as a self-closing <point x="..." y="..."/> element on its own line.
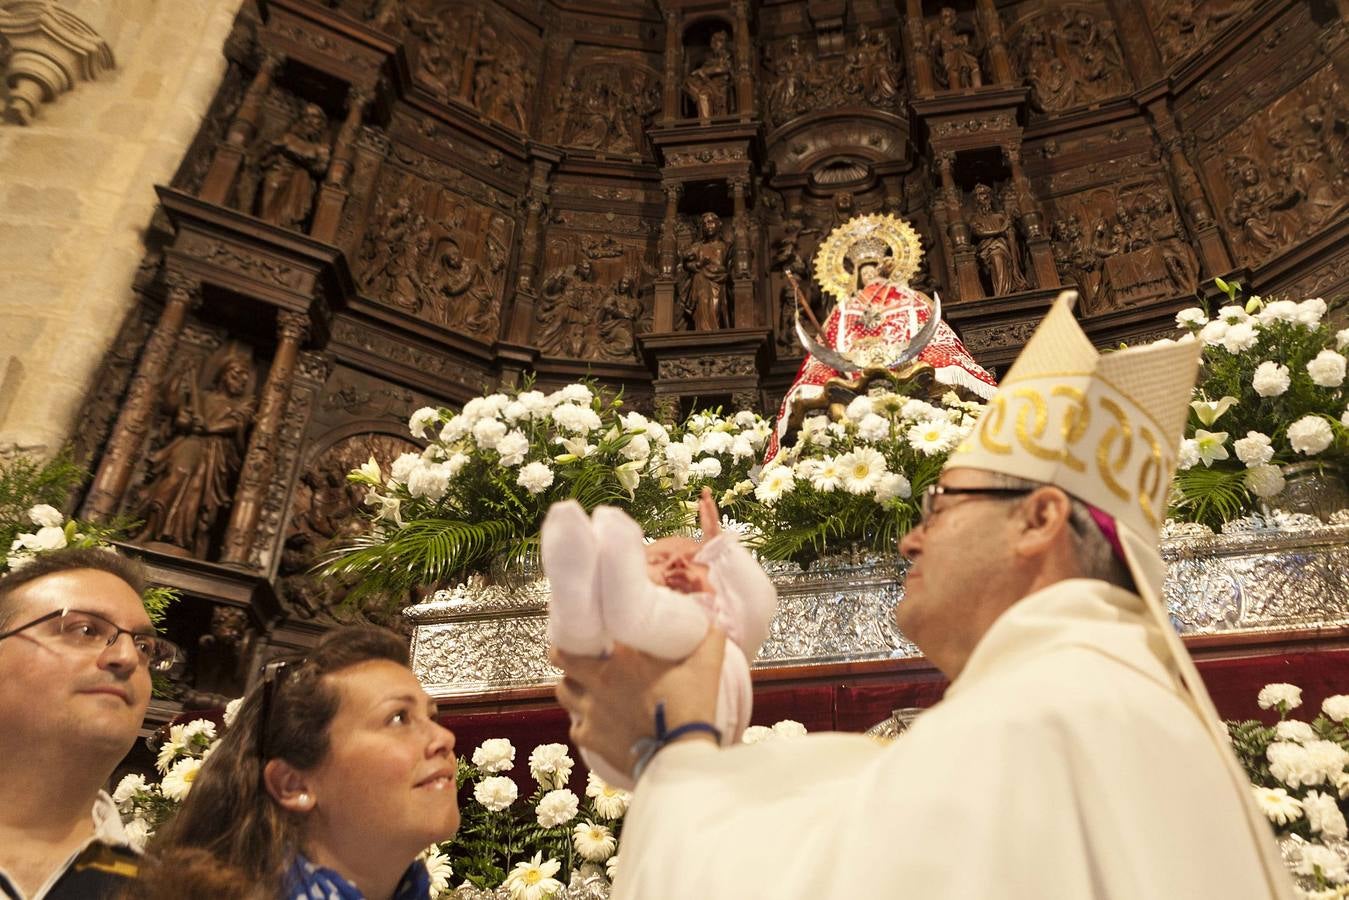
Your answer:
<point x="191" y="477"/>
<point x="291" y="168"/>
<point x="996" y="243"/>
<point x="707" y="262"/>
<point x="460" y="294"/>
<point x="220" y="663"/>
<point x="619" y="313"/>
<point x="709" y="85"/>
<point x="569" y="298"/>
<point x="954" y="51"/>
<point x="871" y="67"/>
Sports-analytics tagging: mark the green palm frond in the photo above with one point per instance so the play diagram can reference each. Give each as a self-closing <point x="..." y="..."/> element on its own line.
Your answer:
<point x="421" y="552"/>
<point x="1211" y="496"/>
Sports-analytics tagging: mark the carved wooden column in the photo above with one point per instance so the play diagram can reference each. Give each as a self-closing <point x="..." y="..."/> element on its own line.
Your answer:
<point x="997" y="48"/>
<point x="229" y="157"/>
<point x="664" y="314"/>
<point x="744" y="84"/>
<point x="1137" y="41"/>
<point x="670" y="96"/>
<point x="531" y="240"/>
<point x="968" y="285"/>
<point x="1213" y="253"/>
<point x="925" y="83"/>
<point x="256" y="474"/>
<point x="1041" y="248"/>
<point x="333" y="195"/>
<point x="470" y="58"/>
<point x="745" y="315"/>
<point x="894" y="195"/>
<point x="128" y="435"/>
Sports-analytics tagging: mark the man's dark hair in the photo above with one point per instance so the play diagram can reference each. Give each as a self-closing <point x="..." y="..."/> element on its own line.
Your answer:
<point x="50" y="563"/>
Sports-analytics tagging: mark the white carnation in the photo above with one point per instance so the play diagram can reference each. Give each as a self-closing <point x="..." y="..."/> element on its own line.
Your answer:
<point x="137" y="833"/>
<point x="128" y="788"/>
<point x="577" y="419"/>
<point x="1191" y="317"/>
<point x="873" y="427"/>
<point x="637" y="447"/>
<point x="1232" y="315"/>
<point x="892" y="485"/>
<point x="1323" y="815"/>
<point x="495" y="792"/>
<point x="47" y="538"/>
<point x="487" y="432"/>
<point x="550" y="765"/>
<point x="1336" y="707"/>
<point x="232" y="710"/>
<point x="742" y="448"/>
<point x="576" y="393"/>
<point x="421" y="420"/>
<point x="494" y="755"/>
<point x="755" y="734"/>
<point x="788" y="728"/>
<point x="1270" y="379"/>
<point x="1239" y="337"/>
<point x="429" y="480"/>
<point x="707" y="467"/>
<point x="536" y="403"/>
<point x="45" y="516"/>
<point x="1271" y="695"/>
<point x="1265" y="481"/>
<point x="513" y="447"/>
<point x="1212" y="333"/>
<point x="1327" y="369"/>
<point x="402" y="467"/>
<point x="455" y="429"/>
<point x="1310" y="435"/>
<point x="1292" y="764"/>
<point x="1294" y="730"/>
<point x="715" y="442"/>
<point x="1342" y="339"/>
<point x="1315" y="858"/>
<point x="558" y="807"/>
<point x="1187" y="457"/>
<point x="1254" y="449"/>
<point x="859" y="408"/>
<point x="535" y="477"/>
<point x="1279" y="311"/>
<point x="1311" y="311"/>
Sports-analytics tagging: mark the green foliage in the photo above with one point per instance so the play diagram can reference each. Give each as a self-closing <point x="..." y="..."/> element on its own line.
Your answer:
<point x="26" y="482"/>
<point x="1210" y="496"/>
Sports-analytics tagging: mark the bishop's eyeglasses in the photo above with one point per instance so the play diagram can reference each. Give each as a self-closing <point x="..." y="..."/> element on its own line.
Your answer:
<point x="930" y="510"/>
<point x="83" y="631"/>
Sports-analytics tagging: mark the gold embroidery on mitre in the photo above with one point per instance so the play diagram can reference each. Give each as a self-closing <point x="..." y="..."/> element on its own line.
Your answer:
<point x="992" y="421"/>
<point x="1028" y="434"/>
<point x="1150" y="481"/>
<point x="1075" y="422"/>
<point x="1121" y="432"/>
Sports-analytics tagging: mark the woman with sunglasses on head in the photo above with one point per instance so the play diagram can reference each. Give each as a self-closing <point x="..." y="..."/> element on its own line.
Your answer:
<point x="333" y="777"/>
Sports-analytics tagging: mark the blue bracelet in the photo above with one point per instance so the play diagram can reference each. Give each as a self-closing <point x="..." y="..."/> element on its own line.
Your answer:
<point x="646" y="748"/>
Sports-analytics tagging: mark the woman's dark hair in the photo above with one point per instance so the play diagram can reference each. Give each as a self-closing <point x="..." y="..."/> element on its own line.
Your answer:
<point x="229" y="813"/>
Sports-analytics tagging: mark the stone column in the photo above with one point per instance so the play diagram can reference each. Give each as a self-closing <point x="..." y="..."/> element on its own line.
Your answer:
<point x="333" y="195"/>
<point x="997" y="48"/>
<point x="229" y="156"/>
<point x="968" y="286"/>
<point x="925" y="83"/>
<point x="745" y="314"/>
<point x="670" y="97"/>
<point x="664" y="313"/>
<point x="259" y="461"/>
<point x="744" y="83"/>
<point x="128" y="434"/>
<point x="527" y="269"/>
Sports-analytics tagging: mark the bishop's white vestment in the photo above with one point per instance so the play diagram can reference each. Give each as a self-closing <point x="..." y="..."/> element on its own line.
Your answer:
<point x="1064" y="762"/>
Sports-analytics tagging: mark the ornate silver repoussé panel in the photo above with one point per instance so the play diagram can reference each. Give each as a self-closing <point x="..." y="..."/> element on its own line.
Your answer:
<point x="1285" y="571"/>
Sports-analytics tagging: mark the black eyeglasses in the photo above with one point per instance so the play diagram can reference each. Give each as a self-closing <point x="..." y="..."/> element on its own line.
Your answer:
<point x="941" y="490"/>
<point x="84" y="631"/>
<point x="272" y="675"/>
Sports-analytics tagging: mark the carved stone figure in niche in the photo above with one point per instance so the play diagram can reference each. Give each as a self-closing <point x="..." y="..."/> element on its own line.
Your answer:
<point x="954" y="51"/>
<point x="220" y="663"/>
<point x="570" y="296"/>
<point x="709" y="84"/>
<point x="871" y="67"/>
<point x="707" y="264"/>
<point x="291" y="166"/>
<point x="191" y="476"/>
<point x="996" y="243"/>
<point x="501" y="83"/>
<point x="619" y="314"/>
<point x="460" y="294"/>
<point x="1257" y="207"/>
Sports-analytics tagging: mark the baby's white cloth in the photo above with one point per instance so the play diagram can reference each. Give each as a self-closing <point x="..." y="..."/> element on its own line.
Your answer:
<point x="601" y="595"/>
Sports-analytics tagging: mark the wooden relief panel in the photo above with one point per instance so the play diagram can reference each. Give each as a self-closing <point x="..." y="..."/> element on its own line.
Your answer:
<point x="796" y="79"/>
<point x="1069" y="56"/>
<point x="436" y="254"/>
<point x="605" y="102"/>
<point x="593" y="298"/>
<point x="1181" y="27"/>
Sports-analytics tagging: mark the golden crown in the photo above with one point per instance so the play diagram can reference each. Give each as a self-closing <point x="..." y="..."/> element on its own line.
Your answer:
<point x="865" y="239"/>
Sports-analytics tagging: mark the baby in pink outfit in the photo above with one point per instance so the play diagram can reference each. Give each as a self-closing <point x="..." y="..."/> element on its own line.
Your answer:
<point x="609" y="586"/>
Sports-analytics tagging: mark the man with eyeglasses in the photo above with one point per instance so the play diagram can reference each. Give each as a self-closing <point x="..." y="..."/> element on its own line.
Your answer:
<point x="1076" y="753"/>
<point x="77" y="650"/>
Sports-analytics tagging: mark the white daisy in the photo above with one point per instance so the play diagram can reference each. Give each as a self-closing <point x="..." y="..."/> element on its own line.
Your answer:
<point x="595" y="843"/>
<point x="1277" y="805"/>
<point x="533" y="879"/>
<point x="862" y="468"/>
<point x="610" y="802"/>
<point x="932" y="437"/>
<point x="828" y="475"/>
<point x="178" y="782"/>
<point x="776" y="482"/>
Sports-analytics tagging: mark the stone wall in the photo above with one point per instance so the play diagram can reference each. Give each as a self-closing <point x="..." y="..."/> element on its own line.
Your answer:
<point x="77" y="193"/>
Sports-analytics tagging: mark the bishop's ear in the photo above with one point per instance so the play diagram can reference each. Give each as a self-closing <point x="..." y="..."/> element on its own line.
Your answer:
<point x="290" y="787"/>
<point x="1045" y="515"/>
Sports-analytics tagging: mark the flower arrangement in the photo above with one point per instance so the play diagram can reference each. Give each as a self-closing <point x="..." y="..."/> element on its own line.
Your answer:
<point x="722" y="452"/>
<point x="1271" y="393"/>
<point x="481" y="487"/>
<point x="851" y="483"/>
<point x="1299" y="772"/>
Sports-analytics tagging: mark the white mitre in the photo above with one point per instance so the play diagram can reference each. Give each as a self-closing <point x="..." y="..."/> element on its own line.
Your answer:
<point x="1105" y="427"/>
